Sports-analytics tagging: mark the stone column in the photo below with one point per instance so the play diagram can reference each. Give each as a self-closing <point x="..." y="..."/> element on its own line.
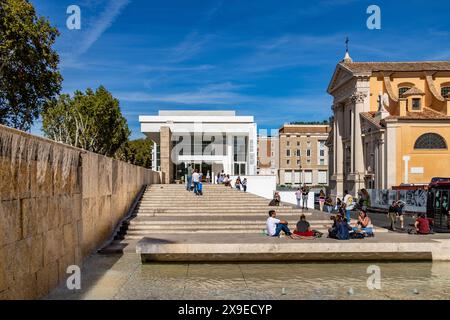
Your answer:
<point x="338" y="151"/>
<point x="358" y="169"/>
<point x="155" y="157"/>
<point x="165" y="154"/>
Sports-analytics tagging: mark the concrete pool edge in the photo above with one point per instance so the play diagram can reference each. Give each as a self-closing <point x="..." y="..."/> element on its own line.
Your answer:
<point x="434" y="250"/>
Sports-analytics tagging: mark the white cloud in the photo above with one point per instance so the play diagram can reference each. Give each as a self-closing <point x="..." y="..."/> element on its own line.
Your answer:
<point x="102" y="23"/>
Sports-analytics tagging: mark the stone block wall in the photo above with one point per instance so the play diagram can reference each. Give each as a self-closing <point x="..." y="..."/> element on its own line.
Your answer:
<point x="57" y="205"/>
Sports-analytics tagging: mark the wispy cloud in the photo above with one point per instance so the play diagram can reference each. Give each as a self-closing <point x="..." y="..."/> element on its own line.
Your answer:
<point x="103" y="22"/>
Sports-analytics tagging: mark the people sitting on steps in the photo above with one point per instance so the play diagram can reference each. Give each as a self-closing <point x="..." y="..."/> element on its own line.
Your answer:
<point x="274" y="226"/>
<point x="276" y="200"/>
<point x="329" y="204"/>
<point x="340" y="230"/>
<point x="303" y="230"/>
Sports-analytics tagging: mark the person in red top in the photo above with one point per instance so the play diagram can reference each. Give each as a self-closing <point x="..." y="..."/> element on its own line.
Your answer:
<point x="422" y="225"/>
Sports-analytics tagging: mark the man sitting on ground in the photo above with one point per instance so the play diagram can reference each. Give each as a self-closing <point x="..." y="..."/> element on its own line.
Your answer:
<point x="422" y="225"/>
<point x="303" y="228"/>
<point x="275" y="226"/>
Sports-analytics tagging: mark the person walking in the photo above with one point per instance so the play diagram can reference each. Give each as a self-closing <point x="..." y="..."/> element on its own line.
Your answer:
<point x="392" y="215"/>
<point x="349" y="205"/>
<point x="189" y="178"/>
<point x="244" y="184"/>
<point x="298" y="196"/>
<point x="196" y="180"/>
<point x="321" y="200"/>
<point x="305" y="194"/>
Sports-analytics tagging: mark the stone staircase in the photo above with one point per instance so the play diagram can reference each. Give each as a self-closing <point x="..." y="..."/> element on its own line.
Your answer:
<point x="170" y="209"/>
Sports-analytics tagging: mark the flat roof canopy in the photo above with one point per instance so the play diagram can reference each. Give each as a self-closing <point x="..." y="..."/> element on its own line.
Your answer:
<point x="185" y="121"/>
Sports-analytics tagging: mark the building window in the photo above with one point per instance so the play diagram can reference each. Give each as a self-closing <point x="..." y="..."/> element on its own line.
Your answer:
<point x="288" y="162"/>
<point x="402" y="90"/>
<point x="298" y="162"/>
<point x="308" y="152"/>
<point x="322" y="153"/>
<point x="298" y="143"/>
<point x="322" y="162"/>
<point x="288" y="153"/>
<point x="287" y="143"/>
<point x="308" y="161"/>
<point x="298" y="153"/>
<point x="322" y="177"/>
<point x="308" y="177"/>
<point x="416" y="103"/>
<point x="445" y="91"/>
<point x="430" y="141"/>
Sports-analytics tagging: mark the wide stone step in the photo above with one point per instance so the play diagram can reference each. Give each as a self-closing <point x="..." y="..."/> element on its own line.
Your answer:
<point x="138" y="234"/>
<point x="206" y="203"/>
<point x="261" y="211"/>
<point x="213" y="214"/>
<point x="220" y="207"/>
<point x="204" y="196"/>
<point x="150" y="221"/>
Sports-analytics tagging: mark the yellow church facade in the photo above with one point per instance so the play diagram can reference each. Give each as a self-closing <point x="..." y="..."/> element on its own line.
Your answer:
<point x="391" y="124"/>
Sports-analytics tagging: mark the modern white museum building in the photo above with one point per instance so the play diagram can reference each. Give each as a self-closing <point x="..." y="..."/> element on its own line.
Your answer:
<point x="211" y="141"/>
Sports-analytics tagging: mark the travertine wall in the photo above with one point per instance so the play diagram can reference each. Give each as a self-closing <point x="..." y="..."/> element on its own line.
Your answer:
<point x="57" y="205"/>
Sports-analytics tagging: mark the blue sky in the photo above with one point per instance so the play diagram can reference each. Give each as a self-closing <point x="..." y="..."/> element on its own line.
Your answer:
<point x="270" y="59"/>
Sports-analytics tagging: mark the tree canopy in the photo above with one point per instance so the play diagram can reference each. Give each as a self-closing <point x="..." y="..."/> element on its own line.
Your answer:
<point x="91" y="121"/>
<point x="138" y="152"/>
<point x="29" y="75"/>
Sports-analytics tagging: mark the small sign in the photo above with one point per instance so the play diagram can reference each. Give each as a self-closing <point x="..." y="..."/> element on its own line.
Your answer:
<point x="417" y="170"/>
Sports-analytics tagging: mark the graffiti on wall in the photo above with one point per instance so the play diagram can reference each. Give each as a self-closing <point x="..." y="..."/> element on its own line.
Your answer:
<point x="415" y="200"/>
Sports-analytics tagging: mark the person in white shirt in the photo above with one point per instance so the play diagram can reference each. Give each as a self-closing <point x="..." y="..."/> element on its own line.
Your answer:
<point x="275" y="226"/>
<point x="349" y="205"/>
<point x="196" y="180"/>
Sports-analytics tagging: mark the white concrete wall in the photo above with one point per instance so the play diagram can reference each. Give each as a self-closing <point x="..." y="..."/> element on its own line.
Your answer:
<point x="263" y="186"/>
<point x="289" y="197"/>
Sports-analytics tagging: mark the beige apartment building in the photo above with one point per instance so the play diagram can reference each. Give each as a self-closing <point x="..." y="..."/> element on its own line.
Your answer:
<point x="268" y="155"/>
<point x="303" y="155"/>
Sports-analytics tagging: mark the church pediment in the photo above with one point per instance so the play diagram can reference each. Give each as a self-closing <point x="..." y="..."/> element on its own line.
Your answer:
<point x="341" y="75"/>
<point x="369" y="122"/>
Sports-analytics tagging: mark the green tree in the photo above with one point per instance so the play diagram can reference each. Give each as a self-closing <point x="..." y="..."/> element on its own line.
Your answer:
<point x="91" y="121"/>
<point x="138" y="152"/>
<point x="29" y="75"/>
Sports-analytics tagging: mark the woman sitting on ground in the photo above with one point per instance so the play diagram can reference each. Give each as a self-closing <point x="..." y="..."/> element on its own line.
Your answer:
<point x="303" y="228"/>
<point x="364" y="223"/>
<point x="364" y="220"/>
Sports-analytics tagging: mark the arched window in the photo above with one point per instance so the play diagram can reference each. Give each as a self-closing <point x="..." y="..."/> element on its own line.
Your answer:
<point x="402" y="90"/>
<point x="430" y="141"/>
<point x="445" y="91"/>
